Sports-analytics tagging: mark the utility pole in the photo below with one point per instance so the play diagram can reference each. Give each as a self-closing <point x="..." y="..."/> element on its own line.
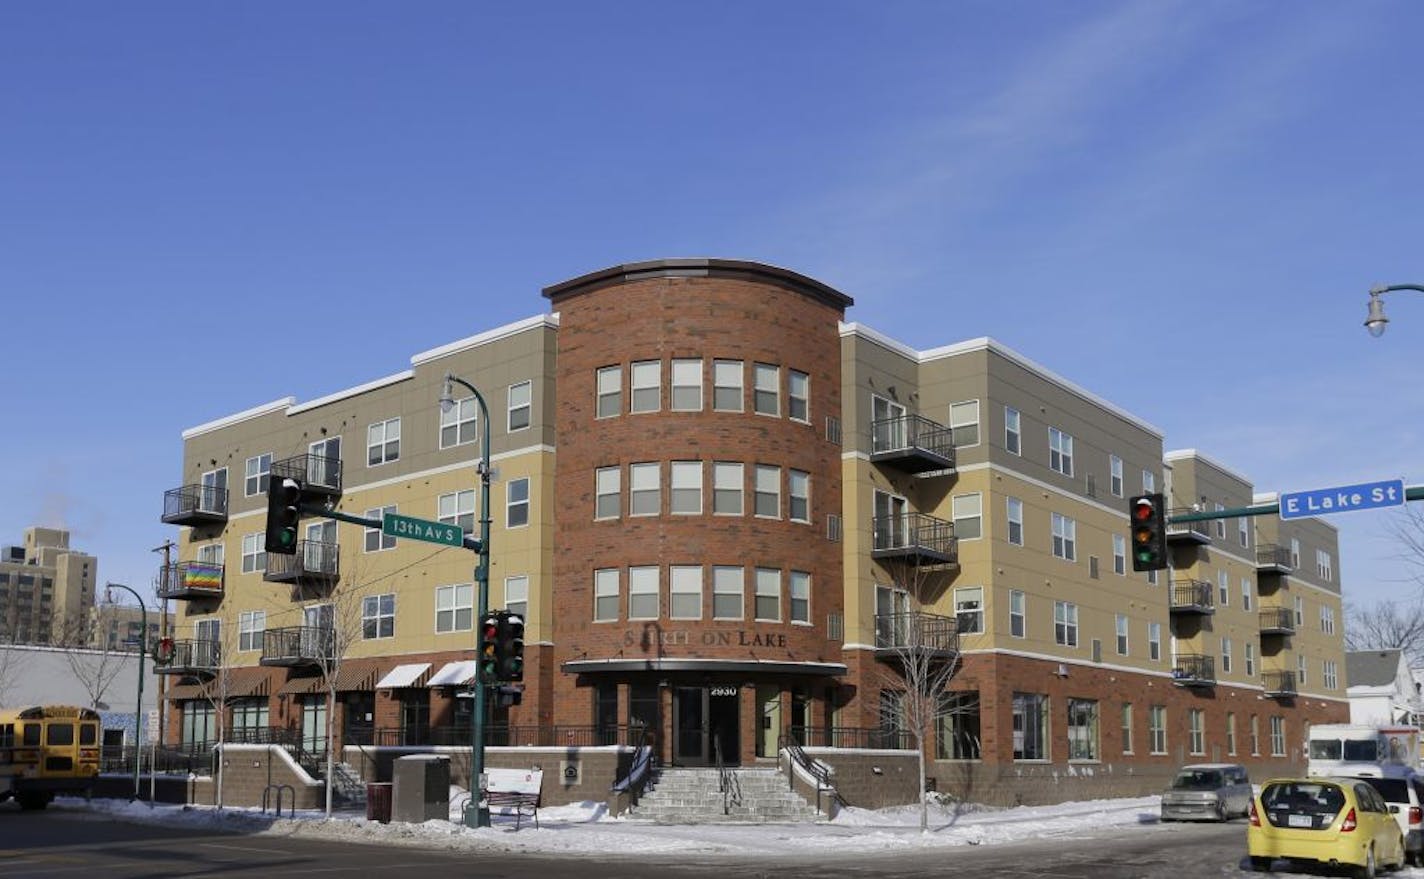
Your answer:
<point x="167" y="550"/>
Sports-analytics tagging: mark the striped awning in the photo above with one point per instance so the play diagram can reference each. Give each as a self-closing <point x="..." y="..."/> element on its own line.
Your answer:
<point x="181" y="692"/>
<point x="407" y="675"/>
<point x="299" y="686"/>
<point x="244" y="682"/>
<point x="357" y="674"/>
<point x="453" y="674"/>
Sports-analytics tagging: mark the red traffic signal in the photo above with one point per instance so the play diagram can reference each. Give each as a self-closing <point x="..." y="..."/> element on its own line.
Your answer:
<point x="1148" y="518"/>
<point x="489" y="648"/>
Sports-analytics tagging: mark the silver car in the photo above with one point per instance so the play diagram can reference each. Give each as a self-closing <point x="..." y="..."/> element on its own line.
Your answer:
<point x="1207" y="792"/>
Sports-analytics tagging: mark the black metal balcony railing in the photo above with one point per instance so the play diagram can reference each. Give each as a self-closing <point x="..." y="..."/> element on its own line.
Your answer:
<point x="195" y="505"/>
<point x="916" y="538"/>
<point x="193" y="657"/>
<point x="296" y="645"/>
<point x="1277" y="621"/>
<point x="852" y="737"/>
<point x="1195" y="532"/>
<point x="1279" y="684"/>
<point x="313" y="560"/>
<point x="916" y="632"/>
<point x="1192" y="596"/>
<point x="190" y="580"/>
<point x="912" y="443"/>
<point x="1275" y="558"/>
<point x="318" y="474"/>
<point x="1192" y="670"/>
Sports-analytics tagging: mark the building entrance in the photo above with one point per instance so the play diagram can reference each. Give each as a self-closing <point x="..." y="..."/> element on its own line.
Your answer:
<point x="705" y="721"/>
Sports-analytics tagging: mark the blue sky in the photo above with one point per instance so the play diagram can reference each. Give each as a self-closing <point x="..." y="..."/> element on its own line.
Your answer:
<point x="186" y="189"/>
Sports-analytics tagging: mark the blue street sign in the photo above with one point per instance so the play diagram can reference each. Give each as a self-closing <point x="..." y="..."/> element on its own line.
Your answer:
<point x="1344" y="499"/>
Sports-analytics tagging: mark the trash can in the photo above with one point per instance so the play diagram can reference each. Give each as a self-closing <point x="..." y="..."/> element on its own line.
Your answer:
<point x="378" y="801"/>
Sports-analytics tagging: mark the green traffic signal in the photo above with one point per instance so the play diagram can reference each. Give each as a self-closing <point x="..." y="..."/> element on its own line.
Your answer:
<point x="284" y="513"/>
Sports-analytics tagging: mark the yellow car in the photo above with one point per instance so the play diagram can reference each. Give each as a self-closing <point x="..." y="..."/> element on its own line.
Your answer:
<point x="1331" y="821"/>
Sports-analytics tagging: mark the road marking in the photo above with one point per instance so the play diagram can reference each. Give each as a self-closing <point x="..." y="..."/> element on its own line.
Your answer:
<point x="243" y="848"/>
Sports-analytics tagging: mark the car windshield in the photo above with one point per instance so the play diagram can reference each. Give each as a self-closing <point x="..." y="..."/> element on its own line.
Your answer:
<point x="1303" y="798"/>
<point x="1197" y="779"/>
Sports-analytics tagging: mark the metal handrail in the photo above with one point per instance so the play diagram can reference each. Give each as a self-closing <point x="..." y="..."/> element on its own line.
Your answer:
<point x="914" y="530"/>
<point x="1268" y="554"/>
<point x="819" y="771"/>
<point x="194" y="498"/>
<point x="917" y="630"/>
<point x="853" y="737"/>
<point x="727" y="781"/>
<point x="911" y="432"/>
<point x="182" y="578"/>
<point x="1194" y="667"/>
<point x="498" y="735"/>
<point x="312" y="643"/>
<point x="315" y="472"/>
<point x="1191" y="593"/>
<point x="640" y="771"/>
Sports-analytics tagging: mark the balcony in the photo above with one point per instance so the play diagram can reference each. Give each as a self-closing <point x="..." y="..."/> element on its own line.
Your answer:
<point x="1277" y="621"/>
<point x="911" y="443"/>
<point x="189" y="580"/>
<point x="296" y="645"/>
<point x="1194" y="670"/>
<point x="916" y="539"/>
<point x="318" y="474"/>
<point x="313" y="562"/>
<point x="914" y="633"/>
<point x="195" y="505"/>
<point x="1187" y="532"/>
<point x="1192" y="597"/>
<point x="1274" y="559"/>
<point x="193" y="658"/>
<point x="1279" y="684"/>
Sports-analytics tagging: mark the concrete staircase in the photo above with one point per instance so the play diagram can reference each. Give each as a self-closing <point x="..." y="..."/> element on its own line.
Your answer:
<point x="690" y="796"/>
<point x="348" y="790"/>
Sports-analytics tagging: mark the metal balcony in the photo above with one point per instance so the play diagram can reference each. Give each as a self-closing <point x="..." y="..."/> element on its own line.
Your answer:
<point x="189" y="580"/>
<point x="1277" y="621"/>
<point x="916" y="633"/>
<point x="194" y="657"/>
<point x="1187" y="532"/>
<point x="313" y="562"/>
<point x="916" y="539"/>
<point x="1194" y="670"/>
<point x="1279" y="684"/>
<point x="911" y="443"/>
<point x="1273" y="558"/>
<point x="195" y="505"/>
<point x="318" y="474"/>
<point x="1192" y="597"/>
<point x="297" y="645"/>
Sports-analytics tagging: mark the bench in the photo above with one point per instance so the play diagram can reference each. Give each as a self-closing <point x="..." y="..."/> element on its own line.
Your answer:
<point x="518" y="790"/>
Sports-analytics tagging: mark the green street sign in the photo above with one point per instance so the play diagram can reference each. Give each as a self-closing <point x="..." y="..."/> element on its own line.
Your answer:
<point x="422" y="529"/>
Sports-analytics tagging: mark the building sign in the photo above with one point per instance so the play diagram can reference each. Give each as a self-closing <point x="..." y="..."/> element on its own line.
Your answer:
<point x="687" y="638"/>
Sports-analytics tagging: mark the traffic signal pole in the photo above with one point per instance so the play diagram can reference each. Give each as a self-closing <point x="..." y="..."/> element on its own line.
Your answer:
<point x="1411" y="493"/>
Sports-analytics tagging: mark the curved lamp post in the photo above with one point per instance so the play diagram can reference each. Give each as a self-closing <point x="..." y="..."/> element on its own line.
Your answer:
<point x="477" y="811"/>
<point x="138" y="706"/>
<point x="1376" y="320"/>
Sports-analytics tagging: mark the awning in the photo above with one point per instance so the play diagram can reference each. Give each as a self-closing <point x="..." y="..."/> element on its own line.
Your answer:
<point x="403" y="676"/>
<point x="180" y="692"/>
<point x="299" y="686"/>
<point x="454" y="674"/>
<point x="357" y="674"/>
<point x="243" y="682"/>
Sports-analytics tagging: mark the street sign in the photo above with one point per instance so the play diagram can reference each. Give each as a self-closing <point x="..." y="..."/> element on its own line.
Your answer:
<point x="1344" y="499"/>
<point x="393" y="525"/>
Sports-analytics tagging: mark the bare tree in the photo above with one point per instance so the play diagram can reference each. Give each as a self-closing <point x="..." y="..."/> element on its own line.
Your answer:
<point x="346" y="627"/>
<point x="1408" y="528"/>
<point x="208" y="653"/>
<point x="1387" y="625"/>
<point x="12" y="666"/>
<point x="95" y="667"/>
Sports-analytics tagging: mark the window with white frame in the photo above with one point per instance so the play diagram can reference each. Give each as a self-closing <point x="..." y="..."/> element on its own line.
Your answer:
<point x="728" y="481"/>
<point x="1231" y="733"/>
<point x="211" y="553"/>
<point x="799" y="585"/>
<point x="1223" y="586"/>
<point x="685" y="592"/>
<point x="768" y="594"/>
<point x="1246" y="589"/>
<point x="457" y="508"/>
<point x="609" y="385"/>
<point x="383" y="442"/>
<point x="605" y="595"/>
<point x="376" y="539"/>
<point x="209" y="632"/>
<point x="254" y="552"/>
<point x="1115" y="475"/>
<point x="1299" y="611"/>
<point x="1157" y="729"/>
<point x="686" y="385"/>
<point x="1220" y="523"/>
<point x="727" y="392"/>
<point x="516" y="595"/>
<point x="1154" y="641"/>
<point x="1119" y="554"/>
<point x="1196" y="726"/>
<point x="516" y="503"/>
<point x="1255" y="736"/>
<point x="1278" y="736"/>
<point x="1065" y="537"/>
<point x="967" y="511"/>
<point x="964" y="423"/>
<point x="1018" y="620"/>
<point x="1060" y="451"/>
<point x="767" y="503"/>
<point x="1065" y="623"/>
<point x="608" y="493"/>
<point x="1327" y="619"/>
<point x="1082" y="729"/>
<point x="378" y="616"/>
<point x="521" y="397"/>
<point x="1030" y="726"/>
<point x="258" y="473"/>
<point x="728" y="592"/>
<point x="1127" y="727"/>
<point x="213" y="498"/>
<point x="457" y="424"/>
<point x="646" y="378"/>
<point x="1295" y="552"/>
<point x="1149" y="482"/>
<point x="1013" y="431"/>
<point x="686" y="487"/>
<point x="645" y="492"/>
<point x="1300" y="667"/>
<point x="1122" y="645"/>
<point x="643" y="590"/>
<point x="1250" y="660"/>
<point x="250" y="626"/>
<point x="1329" y="674"/>
<point x="798" y="495"/>
<point x="1242" y="531"/>
<point x="969" y="609"/>
<point x="1014" y="508"/>
<point x="798" y="396"/>
<point x="1226" y="656"/>
<point x="1324" y="565"/>
<point x="766" y="389"/>
<point x="454" y="608"/>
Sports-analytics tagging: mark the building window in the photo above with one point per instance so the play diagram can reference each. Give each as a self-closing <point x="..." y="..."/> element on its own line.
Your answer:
<point x="1223" y="587"/>
<point x="1250" y="660"/>
<point x="1122" y="640"/>
<point x="1230" y="734"/>
<point x="1327" y="619"/>
<point x="1065" y="623"/>
<point x="767" y="501"/>
<point x="685" y="592"/>
<point x="957" y="735"/>
<point x="1196" y="728"/>
<point x="214" y="492"/>
<point x="766" y="386"/>
<point x="728" y="591"/>
<point x="254" y="552"/>
<point x="768" y="594"/>
<point x="1154" y="641"/>
<point x="1295" y="552"/>
<point x="1157" y="729"/>
<point x="457" y="425"/>
<point x="1255" y="736"/>
<point x="967" y="512"/>
<point x="516" y="503"/>
<point x="964" y="423"/>
<point x="1278" y="736"/>
<point x="521" y="397"/>
<point x="1115" y="475"/>
<point x="1246" y="590"/>
<point x="454" y="608"/>
<point x="376" y="539"/>
<point x="250" y="626"/>
<point x="888" y="425"/>
<point x="645" y="493"/>
<point x="1242" y="532"/>
<point x="605" y="595"/>
<point x="1030" y="726"/>
<point x="727" y="385"/>
<point x="686" y="477"/>
<point x="1013" y="431"/>
<point x="383" y="442"/>
<point x="1060" y="451"/>
<point x="457" y="508"/>
<point x="378" y="616"/>
<point x="608" y="493"/>
<point x="969" y="609"/>
<point x="643" y="591"/>
<point x="727" y="486"/>
<point x="799" y="583"/>
<point x="516" y="595"/>
<point x="1324" y="565"/>
<point x="1082" y="729"/>
<point x="1329" y="674"/>
<point x="1300" y="667"/>
<point x="1226" y="656"/>
<point x="1017" y="621"/>
<point x="646" y="381"/>
<point x="686" y="386"/>
<point x="798" y="396"/>
<point x="1299" y="611"/>
<point x="259" y="471"/>
<point x="1127" y="727"/>
<point x="209" y="553"/>
<point x="1014" y="506"/>
<point x="1119" y="554"/>
<point x="1220" y="523"/>
<point x="798" y="495"/>
<point x="610" y="391"/>
<point x="1065" y="537"/>
<point x="1149" y="482"/>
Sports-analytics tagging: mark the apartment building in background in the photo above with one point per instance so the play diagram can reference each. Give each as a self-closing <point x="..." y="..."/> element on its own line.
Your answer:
<point x="46" y="588"/>
<point x="720" y="508"/>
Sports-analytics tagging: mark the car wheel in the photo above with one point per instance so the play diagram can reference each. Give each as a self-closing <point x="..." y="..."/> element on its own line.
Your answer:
<point x="1368" y="870"/>
<point x="1261" y="865"/>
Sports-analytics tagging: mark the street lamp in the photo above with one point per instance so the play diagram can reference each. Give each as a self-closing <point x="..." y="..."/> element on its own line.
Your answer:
<point x="1376" y="320"/>
<point x="142" y="648"/>
<point x="477" y="810"/>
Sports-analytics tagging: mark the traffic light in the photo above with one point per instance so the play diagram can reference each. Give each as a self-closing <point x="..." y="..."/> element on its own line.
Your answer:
<point x="511" y="653"/>
<point x="489" y="649"/>
<point x="505" y="695"/>
<point x="284" y="510"/>
<point x="1149" y="532"/>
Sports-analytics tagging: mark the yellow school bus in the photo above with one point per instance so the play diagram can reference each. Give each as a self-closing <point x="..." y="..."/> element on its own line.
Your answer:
<point x="47" y="750"/>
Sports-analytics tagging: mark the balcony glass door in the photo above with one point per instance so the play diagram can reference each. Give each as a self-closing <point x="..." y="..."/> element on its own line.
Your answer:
<point x="214" y="493"/>
<point x="888" y="425"/>
<point x="320" y="549"/>
<point x="314" y="724"/>
<point x="891" y="520"/>
<point x="324" y="461"/>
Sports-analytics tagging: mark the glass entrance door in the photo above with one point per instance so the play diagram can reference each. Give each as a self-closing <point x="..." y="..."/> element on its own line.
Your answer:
<point x="705" y="719"/>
